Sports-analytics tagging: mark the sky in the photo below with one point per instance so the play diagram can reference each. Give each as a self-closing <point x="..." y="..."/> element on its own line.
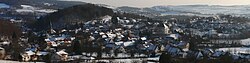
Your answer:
<point x="150" y="3"/>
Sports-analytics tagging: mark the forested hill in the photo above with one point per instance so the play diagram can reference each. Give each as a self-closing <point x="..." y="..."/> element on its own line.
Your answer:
<point x="71" y="15"/>
<point x="77" y="14"/>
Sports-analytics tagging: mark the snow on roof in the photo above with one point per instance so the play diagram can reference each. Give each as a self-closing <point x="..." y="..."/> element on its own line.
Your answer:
<point x="181" y="43"/>
<point x="63" y="30"/>
<point x="61" y="52"/>
<point x="175" y="36"/>
<point x="129" y="26"/>
<point x="30" y="52"/>
<point x="118" y="29"/>
<point x="128" y="43"/>
<point x="106" y="18"/>
<point x="47" y="40"/>
<point x="185" y="49"/>
<point x="143" y="38"/>
<point x="111" y="35"/>
<point x="209" y="50"/>
<point x="101" y="33"/>
<point x="73" y="38"/>
<point x="1" y="48"/>
<point x="121" y="36"/>
<point x="54" y="44"/>
<point x="5" y="42"/>
<point x="217" y="53"/>
<point x="199" y="55"/>
<point x="87" y="57"/>
<point x="42" y="53"/>
<point x="92" y="38"/>
<point x="118" y="43"/>
<point x="110" y="45"/>
<point x="60" y="38"/>
<point x="151" y="47"/>
<point x="173" y="50"/>
<point x="167" y="46"/>
<point x="104" y="36"/>
<point x="96" y="32"/>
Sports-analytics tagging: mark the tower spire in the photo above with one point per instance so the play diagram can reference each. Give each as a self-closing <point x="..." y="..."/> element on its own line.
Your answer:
<point x="51" y="28"/>
<point x="50" y="25"/>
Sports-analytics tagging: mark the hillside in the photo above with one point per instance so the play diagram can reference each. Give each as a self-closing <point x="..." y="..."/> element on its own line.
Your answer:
<point x="72" y="15"/>
<point x="53" y="4"/>
<point x="77" y="14"/>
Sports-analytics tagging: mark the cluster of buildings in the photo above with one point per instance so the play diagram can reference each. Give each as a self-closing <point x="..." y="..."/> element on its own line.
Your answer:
<point x="122" y="37"/>
<point x="109" y="37"/>
<point x="216" y="27"/>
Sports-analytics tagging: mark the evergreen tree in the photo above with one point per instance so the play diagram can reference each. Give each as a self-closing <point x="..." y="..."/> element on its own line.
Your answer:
<point x="165" y="58"/>
<point x="76" y="47"/>
<point x="226" y="58"/>
<point x="16" y="47"/>
<point x="114" y="20"/>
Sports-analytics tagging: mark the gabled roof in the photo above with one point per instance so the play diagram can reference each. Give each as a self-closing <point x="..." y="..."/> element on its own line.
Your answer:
<point x="61" y="52"/>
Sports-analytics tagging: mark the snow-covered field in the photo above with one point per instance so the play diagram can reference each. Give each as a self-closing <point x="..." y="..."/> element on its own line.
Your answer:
<point x="3" y="5"/>
<point x="31" y="9"/>
<point x="245" y="41"/>
<point x="238" y="49"/>
<point x="235" y="50"/>
<point x="209" y="9"/>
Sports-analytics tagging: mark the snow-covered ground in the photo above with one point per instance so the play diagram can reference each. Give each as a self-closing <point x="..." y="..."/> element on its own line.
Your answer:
<point x="235" y="50"/>
<point x="136" y="60"/>
<point x="3" y="5"/>
<point x="122" y="61"/>
<point x="213" y="9"/>
<point x="31" y="9"/>
<point x="245" y="41"/>
<point x="131" y="60"/>
<point x="119" y="55"/>
<point x="207" y="10"/>
<point x="238" y="49"/>
<point x="7" y="61"/>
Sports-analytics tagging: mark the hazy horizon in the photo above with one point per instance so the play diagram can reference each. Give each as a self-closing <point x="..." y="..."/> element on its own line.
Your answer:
<point x="150" y="3"/>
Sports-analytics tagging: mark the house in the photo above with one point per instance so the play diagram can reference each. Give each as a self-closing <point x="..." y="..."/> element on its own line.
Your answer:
<point x="27" y="55"/>
<point x="218" y="53"/>
<point x="4" y="42"/>
<point x="166" y="28"/>
<point x="207" y="51"/>
<point x="174" y="36"/>
<point x="199" y="55"/>
<point x="33" y="54"/>
<point x="2" y="53"/>
<point x="159" y="28"/>
<point x="184" y="46"/>
<point x="172" y="50"/>
<point x="151" y="47"/>
<point x="63" y="55"/>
